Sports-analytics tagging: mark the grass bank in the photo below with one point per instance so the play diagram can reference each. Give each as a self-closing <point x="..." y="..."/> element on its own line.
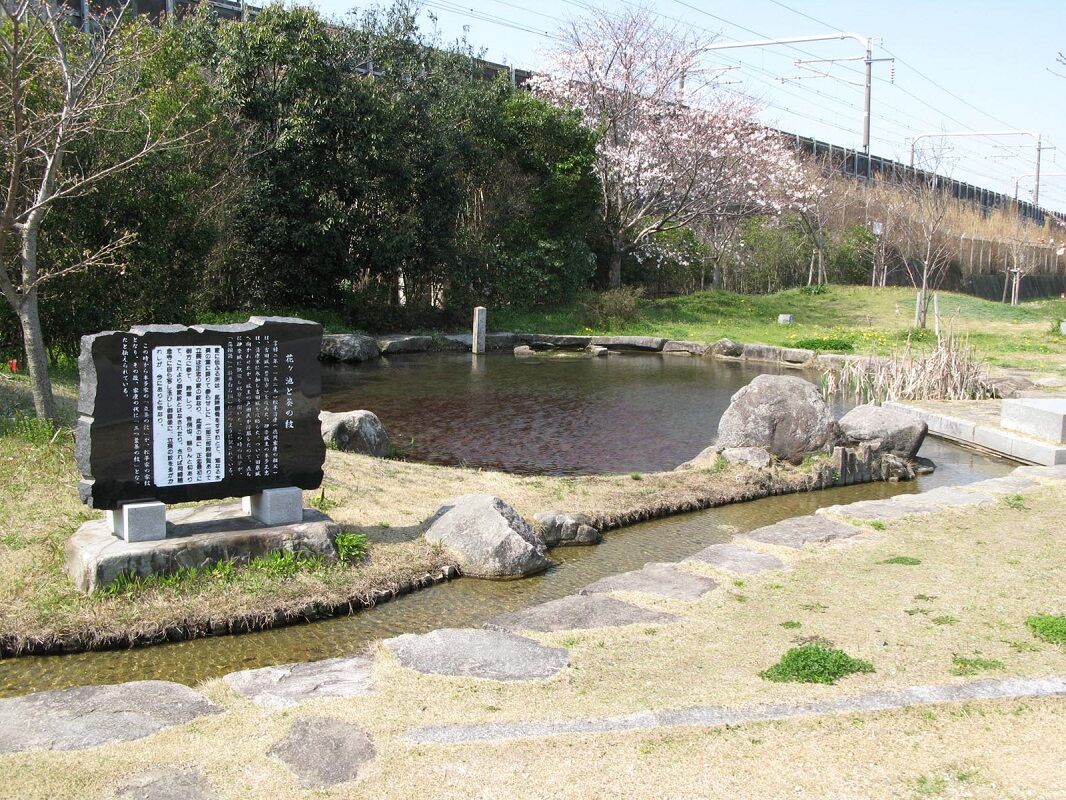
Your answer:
<point x="837" y="319"/>
<point x="933" y="599"/>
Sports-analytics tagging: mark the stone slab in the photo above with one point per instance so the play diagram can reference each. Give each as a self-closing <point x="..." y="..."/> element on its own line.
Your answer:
<point x="287" y="685"/>
<point x="721" y="716"/>
<point x="404" y="343"/>
<point x="89" y="716"/>
<point x="1042" y="418"/>
<point x="166" y="783"/>
<point x="576" y="612"/>
<point x="754" y="351"/>
<point x="349" y="347"/>
<point x="678" y="348"/>
<point x="796" y="355"/>
<point x="736" y="558"/>
<point x="796" y="532"/>
<point x="904" y="505"/>
<point x="551" y="341"/>
<point x="196" y="537"/>
<point x="661" y="580"/>
<point x="322" y="751"/>
<point x="250" y="392"/>
<point x="476" y="653"/>
<point x="646" y="343"/>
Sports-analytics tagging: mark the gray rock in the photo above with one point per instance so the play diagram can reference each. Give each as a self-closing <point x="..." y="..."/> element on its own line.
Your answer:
<point x="648" y="343"/>
<point x="349" y="347"/>
<point x="288" y="685"/>
<point x="403" y="343"/>
<point x="785" y="319"/>
<point x="798" y="531"/>
<point x="558" y="529"/>
<point x="577" y="611"/>
<point x="524" y="351"/>
<point x="900" y="433"/>
<point x="354" y="432"/>
<point x="197" y="536"/>
<point x="735" y="558"/>
<point x="473" y="653"/>
<point x="923" y="466"/>
<point x="662" y="580"/>
<point x="322" y="751"/>
<point x="796" y="355"/>
<point x="487" y="538"/>
<point x="597" y="351"/>
<point x="894" y="468"/>
<point x="686" y="348"/>
<point x="166" y="783"/>
<point x="784" y="414"/>
<point x="762" y="352"/>
<point x="756" y="457"/>
<point x="88" y="716"/>
<point x="550" y="341"/>
<point x="727" y="348"/>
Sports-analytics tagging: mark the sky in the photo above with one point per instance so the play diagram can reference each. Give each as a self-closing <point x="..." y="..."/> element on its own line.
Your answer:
<point x="968" y="66"/>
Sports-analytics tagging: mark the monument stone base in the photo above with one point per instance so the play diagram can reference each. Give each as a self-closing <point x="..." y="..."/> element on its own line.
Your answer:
<point x="195" y="537"/>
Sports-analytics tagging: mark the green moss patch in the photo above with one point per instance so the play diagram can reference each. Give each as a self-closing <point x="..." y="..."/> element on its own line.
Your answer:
<point x="1049" y="627"/>
<point x="909" y="561"/>
<point x="815" y="663"/>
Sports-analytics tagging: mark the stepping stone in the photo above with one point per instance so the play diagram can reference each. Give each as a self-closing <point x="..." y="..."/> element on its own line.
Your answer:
<point x="1007" y="484"/>
<point x="182" y="783"/>
<point x="88" y="716"/>
<point x="474" y="653"/>
<point x="903" y="505"/>
<point x="799" y="531"/>
<point x="1057" y="472"/>
<point x="323" y="752"/>
<point x="287" y="685"/>
<point x="735" y="558"/>
<point x="662" y="580"/>
<point x="575" y="612"/>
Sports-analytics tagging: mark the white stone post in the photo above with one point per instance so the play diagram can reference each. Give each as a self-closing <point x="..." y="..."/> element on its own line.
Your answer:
<point x="478" y="338"/>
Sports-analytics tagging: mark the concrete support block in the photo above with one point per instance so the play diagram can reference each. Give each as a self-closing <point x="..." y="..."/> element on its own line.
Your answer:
<point x="139" y="522"/>
<point x="276" y="506"/>
<point x="480" y="320"/>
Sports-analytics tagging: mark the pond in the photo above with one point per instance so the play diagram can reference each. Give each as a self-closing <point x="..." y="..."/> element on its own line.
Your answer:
<point x="552" y="415"/>
<point x="636" y="414"/>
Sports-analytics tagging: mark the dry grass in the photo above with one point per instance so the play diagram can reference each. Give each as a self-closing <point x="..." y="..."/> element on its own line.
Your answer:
<point x="975" y="568"/>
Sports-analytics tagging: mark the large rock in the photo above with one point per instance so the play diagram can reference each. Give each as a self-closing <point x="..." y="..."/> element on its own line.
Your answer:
<point x="287" y="685"/>
<point x="755" y="457"/>
<point x="88" y="716"/>
<point x="354" y="432"/>
<point x="349" y="347"/>
<point x="675" y="347"/>
<point x="404" y="343"/>
<point x="551" y="341"/>
<point x="755" y="351"/>
<point x="727" y="348"/>
<point x="322" y="751"/>
<point x="783" y="414"/>
<point x="559" y="529"/>
<point x="646" y="343"/>
<point x="487" y="538"/>
<point x="900" y="433"/>
<point x="473" y="653"/>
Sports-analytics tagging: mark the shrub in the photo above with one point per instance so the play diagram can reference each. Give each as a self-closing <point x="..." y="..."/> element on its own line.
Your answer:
<point x="815" y="663"/>
<point x="29" y="429"/>
<point x="1049" y="627"/>
<point x="824" y="343"/>
<point x="613" y="306"/>
<point x="351" y="546"/>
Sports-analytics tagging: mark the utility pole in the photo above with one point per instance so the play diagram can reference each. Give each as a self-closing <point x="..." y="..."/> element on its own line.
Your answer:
<point x="1036" y="137"/>
<point x="868" y="59"/>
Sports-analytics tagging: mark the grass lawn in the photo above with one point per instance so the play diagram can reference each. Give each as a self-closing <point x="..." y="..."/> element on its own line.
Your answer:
<point x="966" y="602"/>
<point x="869" y="320"/>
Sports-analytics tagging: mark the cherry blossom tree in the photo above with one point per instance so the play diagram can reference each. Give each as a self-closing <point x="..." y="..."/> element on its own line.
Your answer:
<point x="673" y="151"/>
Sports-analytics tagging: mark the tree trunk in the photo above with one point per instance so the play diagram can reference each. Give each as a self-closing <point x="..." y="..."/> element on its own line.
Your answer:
<point x="44" y="402"/>
<point x="616" y="269"/>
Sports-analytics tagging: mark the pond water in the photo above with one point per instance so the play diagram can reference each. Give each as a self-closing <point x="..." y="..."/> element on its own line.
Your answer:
<point x="509" y="430"/>
<point x="561" y="415"/>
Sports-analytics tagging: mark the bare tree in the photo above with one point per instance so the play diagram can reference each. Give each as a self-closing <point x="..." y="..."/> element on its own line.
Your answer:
<point x="58" y="87"/>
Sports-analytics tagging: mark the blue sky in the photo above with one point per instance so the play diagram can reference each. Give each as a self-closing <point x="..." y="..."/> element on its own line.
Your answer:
<point x="962" y="65"/>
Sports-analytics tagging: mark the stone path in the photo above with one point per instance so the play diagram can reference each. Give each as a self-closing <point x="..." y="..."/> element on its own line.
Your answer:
<point x="87" y="716"/>
<point x="798" y="531"/>
<point x="322" y="751"/>
<point x="576" y="612"/>
<point x="168" y="783"/>
<point x="661" y="580"/>
<point x="717" y="716"/>
<point x="474" y="653"/>
<point x="287" y="685"/>
<point x="736" y="558"/>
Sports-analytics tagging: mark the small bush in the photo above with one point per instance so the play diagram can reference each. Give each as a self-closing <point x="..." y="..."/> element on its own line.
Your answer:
<point x="323" y="503"/>
<point x="284" y="563"/>
<point x="613" y="306"/>
<point x="351" y="546"/>
<point x="815" y="663"/>
<point x="1016" y="502"/>
<point x="815" y="289"/>
<point x="1049" y="627"/>
<point x="825" y="343"/>
<point x="908" y="561"/>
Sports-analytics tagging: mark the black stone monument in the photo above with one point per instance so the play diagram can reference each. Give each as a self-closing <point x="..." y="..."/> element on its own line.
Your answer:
<point x="173" y="413"/>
